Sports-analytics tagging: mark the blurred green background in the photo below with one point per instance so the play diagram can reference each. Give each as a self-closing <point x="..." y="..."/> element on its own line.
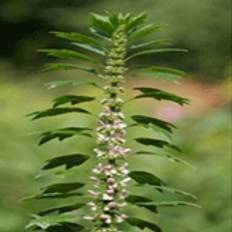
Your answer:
<point x="204" y="127"/>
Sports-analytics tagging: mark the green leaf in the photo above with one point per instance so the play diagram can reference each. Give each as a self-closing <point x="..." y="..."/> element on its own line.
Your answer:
<point x="149" y="43"/>
<point x="153" y="206"/>
<point x="54" y="223"/>
<point x="90" y="48"/>
<point x="72" y="99"/>
<point x="63" y="134"/>
<point x="147" y="121"/>
<point x="159" y="94"/>
<point x="68" y="160"/>
<point x="76" y="37"/>
<point x="62" y="188"/>
<point x="150" y="207"/>
<point x="67" y="54"/>
<point x="143" y="31"/>
<point x="61" y="83"/>
<point x="142" y="177"/>
<point x="137" y="199"/>
<point x="154" y="51"/>
<point x="175" y="191"/>
<point x="156" y="143"/>
<point x="56" y="111"/>
<point x="142" y="224"/>
<point x="61" y="209"/>
<point x="65" y="66"/>
<point x="162" y="73"/>
<point x="66" y="227"/>
<point x="135" y="22"/>
<point x="102" y="24"/>
<point x="169" y="157"/>
<point x="176" y="203"/>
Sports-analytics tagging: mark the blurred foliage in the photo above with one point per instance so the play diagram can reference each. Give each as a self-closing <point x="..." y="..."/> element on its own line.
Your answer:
<point x="201" y="26"/>
<point x="204" y="139"/>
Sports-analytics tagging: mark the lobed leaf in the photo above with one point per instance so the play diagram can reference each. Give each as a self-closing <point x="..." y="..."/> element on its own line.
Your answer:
<point x="163" y="73"/>
<point x="67" y="54"/>
<point x="63" y="133"/>
<point x="143" y="177"/>
<point x="61" y="209"/>
<point x="66" y="66"/>
<point x="76" y="37"/>
<point x="66" y="227"/>
<point x="135" y="22"/>
<point x="149" y="43"/>
<point x="56" y="111"/>
<point x="175" y="191"/>
<point x="80" y="82"/>
<point x="142" y="224"/>
<point x="154" y="51"/>
<point x="169" y="157"/>
<point x="159" y="94"/>
<point x="147" y="121"/>
<point x="156" y="142"/>
<point x="143" y="31"/>
<point x="137" y="199"/>
<point x="102" y="24"/>
<point x="90" y="48"/>
<point x="72" y="99"/>
<point x="62" y="187"/>
<point x="54" y="223"/>
<point x="68" y="161"/>
<point x="176" y="203"/>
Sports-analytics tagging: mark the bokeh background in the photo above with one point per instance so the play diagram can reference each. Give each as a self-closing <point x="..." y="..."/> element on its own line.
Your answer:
<point x="204" y="27"/>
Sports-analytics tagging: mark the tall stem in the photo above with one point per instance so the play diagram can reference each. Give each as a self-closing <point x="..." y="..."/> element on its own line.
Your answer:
<point x="110" y="176"/>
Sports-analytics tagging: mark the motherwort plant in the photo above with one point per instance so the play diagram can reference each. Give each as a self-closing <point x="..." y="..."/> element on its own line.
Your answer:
<point x="105" y="201"/>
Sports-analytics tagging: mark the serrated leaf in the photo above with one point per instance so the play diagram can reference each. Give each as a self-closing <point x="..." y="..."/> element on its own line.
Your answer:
<point x="175" y="191"/>
<point x="142" y="224"/>
<point x="61" y="209"/>
<point x="90" y="48"/>
<point x="163" y="73"/>
<point x="135" y="22"/>
<point x="67" y="54"/>
<point x="149" y="43"/>
<point x="176" y="203"/>
<point x="143" y="177"/>
<point x="102" y="24"/>
<point x="150" y="207"/>
<point x="143" y="31"/>
<point x="50" y="222"/>
<point x="154" y="51"/>
<point x="66" y="227"/>
<point x="56" y="111"/>
<point x="68" y="161"/>
<point x="76" y="37"/>
<point x="66" y="66"/>
<point x="62" y="187"/>
<point x="61" y="83"/>
<point x="159" y="94"/>
<point x="137" y="199"/>
<point x="63" y="133"/>
<point x="169" y="157"/>
<point x="72" y="99"/>
<point x="156" y="143"/>
<point x="116" y="19"/>
<point x="147" y="121"/>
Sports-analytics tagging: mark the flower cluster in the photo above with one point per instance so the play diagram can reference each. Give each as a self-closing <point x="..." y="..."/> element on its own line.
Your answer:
<point x="109" y="192"/>
<point x="110" y="176"/>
